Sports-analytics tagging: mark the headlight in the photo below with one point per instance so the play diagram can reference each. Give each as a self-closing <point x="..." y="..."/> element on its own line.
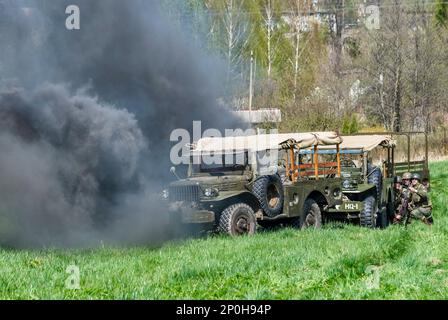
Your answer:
<point x="211" y="192"/>
<point x="337" y="193"/>
<point x="165" y="194"/>
<point x="346" y="184"/>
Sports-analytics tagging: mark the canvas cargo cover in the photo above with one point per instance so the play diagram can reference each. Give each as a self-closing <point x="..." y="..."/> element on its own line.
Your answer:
<point x="365" y="142"/>
<point x="265" y="142"/>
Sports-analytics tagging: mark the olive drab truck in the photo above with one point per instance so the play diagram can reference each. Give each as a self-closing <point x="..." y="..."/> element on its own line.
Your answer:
<point x="367" y="179"/>
<point x="231" y="188"/>
<point x="368" y="169"/>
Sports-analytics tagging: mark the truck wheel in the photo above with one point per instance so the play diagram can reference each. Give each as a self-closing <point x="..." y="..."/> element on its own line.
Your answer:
<point x="367" y="215"/>
<point x="269" y="192"/>
<point x="311" y="216"/>
<point x="376" y="178"/>
<point x="238" y="219"/>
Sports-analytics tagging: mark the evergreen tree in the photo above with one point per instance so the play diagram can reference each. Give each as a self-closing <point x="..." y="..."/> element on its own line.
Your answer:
<point x="354" y="126"/>
<point x="441" y="13"/>
<point x="346" y="125"/>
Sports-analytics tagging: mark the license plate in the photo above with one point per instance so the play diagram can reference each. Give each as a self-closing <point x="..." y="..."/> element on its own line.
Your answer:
<point x="351" y="206"/>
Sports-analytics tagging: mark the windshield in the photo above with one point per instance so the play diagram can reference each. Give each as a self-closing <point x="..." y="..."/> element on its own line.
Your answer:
<point x="219" y="162"/>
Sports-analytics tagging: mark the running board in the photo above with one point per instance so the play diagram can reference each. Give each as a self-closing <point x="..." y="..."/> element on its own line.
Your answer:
<point x="266" y="218"/>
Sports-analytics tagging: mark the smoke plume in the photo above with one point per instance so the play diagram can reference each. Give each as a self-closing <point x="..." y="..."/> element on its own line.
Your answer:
<point x="86" y="115"/>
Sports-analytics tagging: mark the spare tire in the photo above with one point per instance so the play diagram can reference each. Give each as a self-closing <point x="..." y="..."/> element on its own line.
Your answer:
<point x="269" y="192"/>
<point x="375" y="177"/>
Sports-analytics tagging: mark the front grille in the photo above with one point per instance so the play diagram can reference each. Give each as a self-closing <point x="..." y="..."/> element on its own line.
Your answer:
<point x="185" y="193"/>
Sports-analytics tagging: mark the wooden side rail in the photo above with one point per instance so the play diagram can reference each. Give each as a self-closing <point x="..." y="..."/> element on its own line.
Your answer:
<point x="321" y="165"/>
<point x="315" y="169"/>
<point x="312" y="173"/>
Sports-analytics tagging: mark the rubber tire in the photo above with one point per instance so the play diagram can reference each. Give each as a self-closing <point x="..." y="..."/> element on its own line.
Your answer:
<point x="309" y="206"/>
<point x="229" y="218"/>
<point x="376" y="178"/>
<point x="260" y="189"/>
<point x="367" y="215"/>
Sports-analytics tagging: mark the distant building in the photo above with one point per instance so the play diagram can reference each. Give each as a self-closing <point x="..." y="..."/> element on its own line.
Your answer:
<point x="260" y="116"/>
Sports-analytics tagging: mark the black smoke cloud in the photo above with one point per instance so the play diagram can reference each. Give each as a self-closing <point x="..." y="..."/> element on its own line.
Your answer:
<point x="86" y="115"/>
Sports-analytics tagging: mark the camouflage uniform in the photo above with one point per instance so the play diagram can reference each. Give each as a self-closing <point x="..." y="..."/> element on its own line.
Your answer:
<point x="398" y="200"/>
<point x="401" y="195"/>
<point x="420" y="206"/>
<point x="404" y="194"/>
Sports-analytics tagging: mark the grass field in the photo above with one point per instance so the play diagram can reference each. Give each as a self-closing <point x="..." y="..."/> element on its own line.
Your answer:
<point x="338" y="262"/>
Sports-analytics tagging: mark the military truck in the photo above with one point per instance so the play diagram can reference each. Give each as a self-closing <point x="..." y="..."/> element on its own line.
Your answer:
<point x="368" y="187"/>
<point x="240" y="188"/>
<point x="368" y="170"/>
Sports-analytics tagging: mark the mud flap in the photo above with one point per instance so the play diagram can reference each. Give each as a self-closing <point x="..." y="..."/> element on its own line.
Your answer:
<point x="382" y="220"/>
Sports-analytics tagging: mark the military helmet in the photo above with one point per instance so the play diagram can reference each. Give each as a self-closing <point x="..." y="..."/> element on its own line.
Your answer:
<point x="397" y="179"/>
<point x="416" y="176"/>
<point x="406" y="175"/>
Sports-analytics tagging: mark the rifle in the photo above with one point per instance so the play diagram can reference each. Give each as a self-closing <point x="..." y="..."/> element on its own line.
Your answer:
<point x="404" y="212"/>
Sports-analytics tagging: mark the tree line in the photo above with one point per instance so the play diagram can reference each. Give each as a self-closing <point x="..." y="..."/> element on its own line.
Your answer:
<point x="343" y="64"/>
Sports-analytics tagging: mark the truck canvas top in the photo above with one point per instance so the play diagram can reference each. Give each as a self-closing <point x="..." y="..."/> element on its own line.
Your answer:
<point x="262" y="142"/>
<point x="364" y="142"/>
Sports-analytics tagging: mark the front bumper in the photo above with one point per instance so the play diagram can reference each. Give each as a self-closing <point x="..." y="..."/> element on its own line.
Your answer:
<point x="348" y="206"/>
<point x="189" y="214"/>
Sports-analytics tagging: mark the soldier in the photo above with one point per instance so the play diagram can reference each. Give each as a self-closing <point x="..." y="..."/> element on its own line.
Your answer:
<point x="397" y="184"/>
<point x="406" y="180"/>
<point x="401" y="197"/>
<point x="420" y="206"/>
<point x="398" y="199"/>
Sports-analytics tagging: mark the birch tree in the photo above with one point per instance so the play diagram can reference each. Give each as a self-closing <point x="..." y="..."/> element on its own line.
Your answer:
<point x="233" y="30"/>
<point x="425" y="74"/>
<point x="299" y="10"/>
<point x="388" y="54"/>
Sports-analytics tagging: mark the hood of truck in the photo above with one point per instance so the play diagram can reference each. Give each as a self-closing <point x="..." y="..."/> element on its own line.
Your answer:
<point x="222" y="183"/>
<point x="360" y="188"/>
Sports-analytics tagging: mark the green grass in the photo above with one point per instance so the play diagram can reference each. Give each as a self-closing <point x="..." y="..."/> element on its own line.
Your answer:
<point x="332" y="263"/>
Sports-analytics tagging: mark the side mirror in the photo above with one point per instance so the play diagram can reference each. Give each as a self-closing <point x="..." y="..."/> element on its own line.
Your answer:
<point x="173" y="171"/>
